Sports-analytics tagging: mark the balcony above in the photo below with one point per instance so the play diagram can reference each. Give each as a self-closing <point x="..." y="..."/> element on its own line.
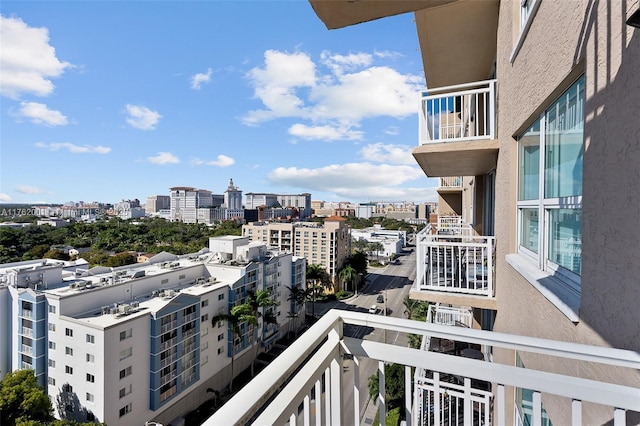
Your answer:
<point x="343" y="13"/>
<point x="450" y="184"/>
<point x="457" y="130"/>
<point x="454" y="266"/>
<point x="306" y="384"/>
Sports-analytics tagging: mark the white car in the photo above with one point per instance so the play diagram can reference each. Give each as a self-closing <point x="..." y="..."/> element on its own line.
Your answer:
<point x="373" y="309"/>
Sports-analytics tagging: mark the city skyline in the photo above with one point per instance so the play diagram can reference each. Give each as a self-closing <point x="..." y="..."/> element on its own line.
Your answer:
<point x="259" y="92"/>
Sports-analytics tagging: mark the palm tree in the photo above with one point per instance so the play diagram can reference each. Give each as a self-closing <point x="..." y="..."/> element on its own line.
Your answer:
<point x="315" y="273"/>
<point x="377" y="247"/>
<point x="297" y="296"/>
<point x="258" y="301"/>
<point x="237" y="316"/>
<point x="410" y="306"/>
<point x="347" y="275"/>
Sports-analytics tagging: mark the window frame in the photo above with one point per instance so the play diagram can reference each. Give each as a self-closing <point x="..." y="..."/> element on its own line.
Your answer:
<point x="544" y="204"/>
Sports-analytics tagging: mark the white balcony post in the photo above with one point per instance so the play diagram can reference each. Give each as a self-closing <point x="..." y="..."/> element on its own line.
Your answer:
<point x="407" y="394"/>
<point x="576" y="412"/>
<point x="327" y="396"/>
<point x="468" y="412"/>
<point x="500" y="405"/>
<point x="336" y="390"/>
<point x="306" y="405"/>
<point x="382" y="410"/>
<point x="318" y="403"/>
<point x="356" y="390"/>
<point x="436" y="398"/>
<point x="537" y="409"/>
<point x="492" y="108"/>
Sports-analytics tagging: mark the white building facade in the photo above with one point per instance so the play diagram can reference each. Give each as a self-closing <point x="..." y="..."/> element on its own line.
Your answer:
<point x="132" y="344"/>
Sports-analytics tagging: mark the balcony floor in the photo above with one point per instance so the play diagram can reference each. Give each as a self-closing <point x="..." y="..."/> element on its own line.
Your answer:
<point x="465" y="158"/>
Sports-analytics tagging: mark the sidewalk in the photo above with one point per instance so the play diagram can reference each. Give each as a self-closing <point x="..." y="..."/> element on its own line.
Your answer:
<point x="369" y="413"/>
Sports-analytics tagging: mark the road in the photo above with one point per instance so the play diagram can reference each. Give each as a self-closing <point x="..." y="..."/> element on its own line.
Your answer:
<point x="393" y="282"/>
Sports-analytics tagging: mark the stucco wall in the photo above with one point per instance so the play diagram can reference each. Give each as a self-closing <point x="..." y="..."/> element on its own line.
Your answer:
<point x="568" y="38"/>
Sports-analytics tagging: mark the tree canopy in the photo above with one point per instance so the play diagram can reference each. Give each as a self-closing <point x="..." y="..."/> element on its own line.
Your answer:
<point x="110" y="235"/>
<point x="23" y="400"/>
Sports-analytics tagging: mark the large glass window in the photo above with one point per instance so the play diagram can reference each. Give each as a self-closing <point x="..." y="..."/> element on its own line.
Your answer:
<point x="550" y="156"/>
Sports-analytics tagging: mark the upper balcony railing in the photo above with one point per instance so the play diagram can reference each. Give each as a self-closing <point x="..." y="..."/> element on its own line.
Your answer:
<point x="309" y="375"/>
<point x="454" y="262"/>
<point x="463" y="112"/>
<point x="451" y="182"/>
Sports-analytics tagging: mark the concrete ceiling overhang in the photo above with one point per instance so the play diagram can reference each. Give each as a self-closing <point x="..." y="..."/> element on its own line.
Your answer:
<point x="458" y="41"/>
<point x="343" y="13"/>
<point x="472" y="158"/>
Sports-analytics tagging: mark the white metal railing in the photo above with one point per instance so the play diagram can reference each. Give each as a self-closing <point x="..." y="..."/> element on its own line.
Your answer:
<point x="449" y="315"/>
<point x="452" y="225"/>
<point x="458" y="113"/>
<point x="170" y="359"/>
<point x="26" y="349"/>
<point x="456" y="403"/>
<point x="451" y="182"/>
<point x="314" y="362"/>
<point x="454" y="263"/>
<point x="169" y="326"/>
<point x="26" y="331"/>
<point x="169" y="343"/>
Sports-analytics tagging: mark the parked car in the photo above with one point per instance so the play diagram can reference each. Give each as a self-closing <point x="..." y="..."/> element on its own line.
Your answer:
<point x="373" y="309"/>
<point x="380" y="299"/>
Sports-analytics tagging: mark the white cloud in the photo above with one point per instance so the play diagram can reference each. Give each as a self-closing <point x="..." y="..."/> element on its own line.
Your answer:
<point x="381" y="153"/>
<point x="374" y="92"/>
<point x="275" y="85"/>
<point x="220" y="161"/>
<point x="393" y="131"/>
<point x="345" y="178"/>
<point x="75" y="149"/>
<point x="163" y="158"/>
<point x="28" y="189"/>
<point x="338" y="64"/>
<point x="27" y="61"/>
<point x="200" y="78"/>
<point x="326" y="132"/>
<point x="142" y="117"/>
<point x="4" y="197"/>
<point x="40" y="114"/>
<point x="353" y="89"/>
<point x="359" y="181"/>
<point x="387" y="54"/>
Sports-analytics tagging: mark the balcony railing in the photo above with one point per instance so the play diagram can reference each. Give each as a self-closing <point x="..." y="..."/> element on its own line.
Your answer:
<point x="297" y="377"/>
<point x="26" y="331"/>
<point x="458" y="113"/>
<point x="452" y="225"/>
<point x="454" y="263"/>
<point x="451" y="182"/>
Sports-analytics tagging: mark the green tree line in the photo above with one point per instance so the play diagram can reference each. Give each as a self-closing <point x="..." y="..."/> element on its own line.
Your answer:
<point x="110" y="235"/>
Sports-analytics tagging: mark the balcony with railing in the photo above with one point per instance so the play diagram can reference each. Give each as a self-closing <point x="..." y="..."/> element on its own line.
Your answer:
<point x="450" y="183"/>
<point x="454" y="266"/>
<point x="457" y="130"/>
<point x="306" y="384"/>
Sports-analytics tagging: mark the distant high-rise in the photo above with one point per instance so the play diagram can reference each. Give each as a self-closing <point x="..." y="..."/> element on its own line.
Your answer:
<point x="233" y="201"/>
<point x="185" y="202"/>
<point x="155" y="203"/>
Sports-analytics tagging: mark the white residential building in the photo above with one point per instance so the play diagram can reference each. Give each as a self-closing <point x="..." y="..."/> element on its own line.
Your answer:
<point x="132" y="344"/>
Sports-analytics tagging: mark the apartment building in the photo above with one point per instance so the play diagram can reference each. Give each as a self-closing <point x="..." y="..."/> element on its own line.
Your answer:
<point x="300" y="202"/>
<point x="136" y="343"/>
<point x="185" y="202"/>
<point x="533" y="105"/>
<point x="156" y="203"/>
<point x="327" y="244"/>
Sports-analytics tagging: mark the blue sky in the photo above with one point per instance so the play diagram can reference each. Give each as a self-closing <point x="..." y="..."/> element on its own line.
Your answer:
<point x="109" y="100"/>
